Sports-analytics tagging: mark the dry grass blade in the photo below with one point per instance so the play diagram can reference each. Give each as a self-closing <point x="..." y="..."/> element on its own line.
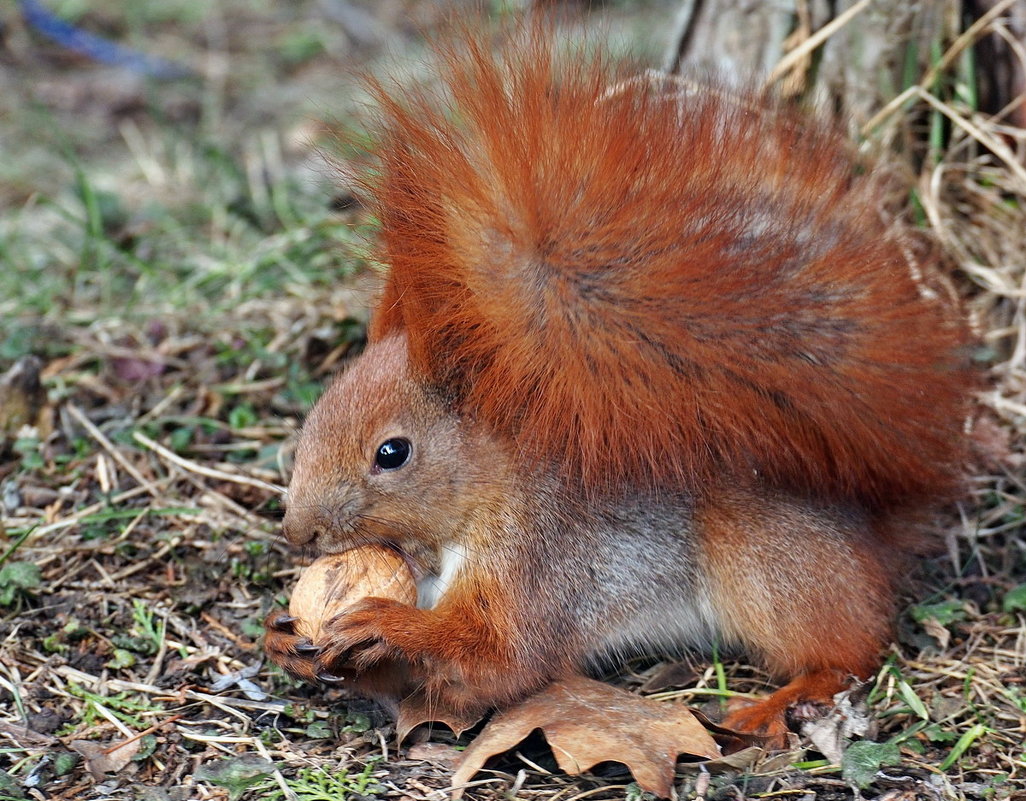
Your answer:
<point x="806" y="47"/>
<point x="203" y="470"/>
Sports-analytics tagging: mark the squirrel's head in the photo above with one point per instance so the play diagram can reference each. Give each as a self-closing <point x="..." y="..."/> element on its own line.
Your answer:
<point x="384" y="459"/>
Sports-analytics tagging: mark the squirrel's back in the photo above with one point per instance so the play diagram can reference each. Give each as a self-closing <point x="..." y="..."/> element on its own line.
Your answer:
<point x="642" y="287"/>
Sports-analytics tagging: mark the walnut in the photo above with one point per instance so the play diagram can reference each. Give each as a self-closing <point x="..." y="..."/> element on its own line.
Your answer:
<point x="336" y="581"/>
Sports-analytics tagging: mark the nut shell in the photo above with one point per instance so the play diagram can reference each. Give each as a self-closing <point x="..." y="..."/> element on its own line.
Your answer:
<point x="336" y="581"/>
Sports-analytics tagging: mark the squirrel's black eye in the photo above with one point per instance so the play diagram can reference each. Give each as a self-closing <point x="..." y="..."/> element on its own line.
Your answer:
<point x="393" y="453"/>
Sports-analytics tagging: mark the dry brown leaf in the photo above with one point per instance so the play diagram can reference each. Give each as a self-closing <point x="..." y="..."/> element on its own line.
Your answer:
<point x="832" y="734"/>
<point x="417" y="708"/>
<point x="934" y="628"/>
<point x="103" y="758"/>
<point x="586" y="722"/>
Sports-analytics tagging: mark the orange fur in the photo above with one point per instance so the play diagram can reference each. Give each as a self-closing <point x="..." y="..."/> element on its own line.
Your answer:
<point x="658" y="290"/>
<point x="801" y="588"/>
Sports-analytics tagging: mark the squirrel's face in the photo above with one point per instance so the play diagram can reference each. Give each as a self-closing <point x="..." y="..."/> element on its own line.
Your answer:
<point x="382" y="460"/>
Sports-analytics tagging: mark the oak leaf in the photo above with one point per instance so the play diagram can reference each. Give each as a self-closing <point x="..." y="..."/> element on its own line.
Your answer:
<point x="587" y="722"/>
<point x="417" y="708"/>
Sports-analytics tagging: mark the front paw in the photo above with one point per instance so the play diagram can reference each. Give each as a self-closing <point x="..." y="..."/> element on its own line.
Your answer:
<point x="369" y="632"/>
<point x="292" y="652"/>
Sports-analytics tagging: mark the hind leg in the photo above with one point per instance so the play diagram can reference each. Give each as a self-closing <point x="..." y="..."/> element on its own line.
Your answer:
<point x="769" y="717"/>
<point x="802" y="589"/>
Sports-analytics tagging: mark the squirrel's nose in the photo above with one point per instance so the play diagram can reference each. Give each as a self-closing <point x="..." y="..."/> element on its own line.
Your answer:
<point x="303" y="524"/>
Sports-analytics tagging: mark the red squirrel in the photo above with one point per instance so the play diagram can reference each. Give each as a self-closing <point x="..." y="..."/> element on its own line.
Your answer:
<point x="649" y="371"/>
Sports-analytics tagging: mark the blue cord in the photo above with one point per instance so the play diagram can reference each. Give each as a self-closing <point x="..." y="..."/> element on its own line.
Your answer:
<point x="94" y="47"/>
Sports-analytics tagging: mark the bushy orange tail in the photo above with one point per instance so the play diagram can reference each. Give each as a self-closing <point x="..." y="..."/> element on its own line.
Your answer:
<point x="646" y="289"/>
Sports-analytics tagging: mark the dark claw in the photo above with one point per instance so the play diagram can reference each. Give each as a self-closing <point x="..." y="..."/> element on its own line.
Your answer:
<point x="329" y="678"/>
<point x="306" y="648"/>
<point x="284" y="622"/>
